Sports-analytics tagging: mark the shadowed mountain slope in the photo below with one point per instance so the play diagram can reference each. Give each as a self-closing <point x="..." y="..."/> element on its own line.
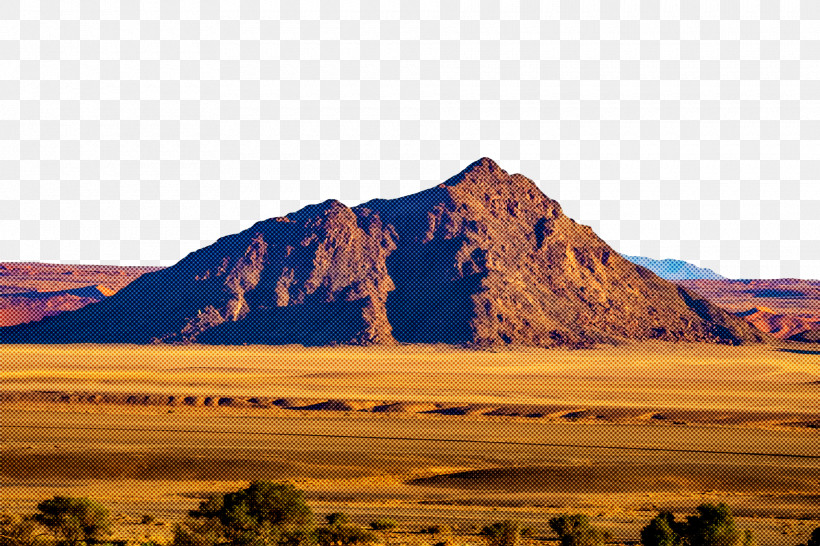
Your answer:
<point x="483" y="259"/>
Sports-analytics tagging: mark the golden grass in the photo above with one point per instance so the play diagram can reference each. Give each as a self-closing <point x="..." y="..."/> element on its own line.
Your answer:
<point x="660" y="375"/>
<point x="140" y="457"/>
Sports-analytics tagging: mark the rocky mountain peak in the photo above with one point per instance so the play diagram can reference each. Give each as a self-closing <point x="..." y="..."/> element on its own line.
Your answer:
<point x="483" y="259"/>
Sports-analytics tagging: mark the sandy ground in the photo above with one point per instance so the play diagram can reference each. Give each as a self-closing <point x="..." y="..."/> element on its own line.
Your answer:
<point x="421" y="434"/>
<point x="661" y="376"/>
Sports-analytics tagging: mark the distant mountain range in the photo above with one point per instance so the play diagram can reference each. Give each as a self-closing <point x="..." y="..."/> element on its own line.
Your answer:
<point x="483" y="259"/>
<point x="784" y="308"/>
<point x="31" y="291"/>
<point x="674" y="270"/>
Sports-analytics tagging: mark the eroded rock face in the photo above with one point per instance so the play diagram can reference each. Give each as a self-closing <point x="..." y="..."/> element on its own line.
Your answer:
<point x="484" y="259"/>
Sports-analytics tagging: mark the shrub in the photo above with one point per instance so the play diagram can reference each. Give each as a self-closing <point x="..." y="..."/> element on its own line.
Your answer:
<point x="73" y="520"/>
<point x="663" y="530"/>
<point x="575" y="530"/>
<point x="437" y="530"/>
<point x="18" y="531"/>
<point x="565" y="524"/>
<point x="504" y="533"/>
<point x="263" y="514"/>
<point x="714" y="526"/>
<point x="337" y="518"/>
<point x="343" y="535"/>
<point x="192" y="532"/>
<point x="383" y="525"/>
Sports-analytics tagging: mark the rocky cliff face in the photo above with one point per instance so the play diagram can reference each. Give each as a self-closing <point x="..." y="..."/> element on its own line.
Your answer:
<point x="483" y="259"/>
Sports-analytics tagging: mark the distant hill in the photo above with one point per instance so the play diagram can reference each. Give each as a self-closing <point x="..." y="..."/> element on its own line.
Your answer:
<point x="780" y="325"/>
<point x="673" y="270"/>
<point x="30" y="291"/>
<point x="33" y="306"/>
<point x="483" y="259"/>
<point x="809" y="336"/>
<point x="783" y="308"/>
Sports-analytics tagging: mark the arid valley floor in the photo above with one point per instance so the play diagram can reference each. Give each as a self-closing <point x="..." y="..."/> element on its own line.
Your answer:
<point x="422" y="434"/>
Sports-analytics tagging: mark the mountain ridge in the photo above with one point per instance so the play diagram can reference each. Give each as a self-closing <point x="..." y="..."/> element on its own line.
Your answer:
<point x="482" y="259"/>
<point x="673" y="270"/>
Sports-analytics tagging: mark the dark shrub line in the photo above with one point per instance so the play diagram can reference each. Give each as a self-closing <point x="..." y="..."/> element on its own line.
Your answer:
<point x="276" y="514"/>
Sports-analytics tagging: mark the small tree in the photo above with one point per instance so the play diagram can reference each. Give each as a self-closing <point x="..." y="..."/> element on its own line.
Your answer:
<point x="18" y="531"/>
<point x="343" y="535"/>
<point x="336" y="519"/>
<point x="74" y="520"/>
<point x="193" y="532"/>
<point x="663" y="530"/>
<point x="263" y="514"/>
<point x="504" y="533"/>
<point x="575" y="530"/>
<point x="437" y="530"/>
<point x="714" y="526"/>
<point x="383" y="525"/>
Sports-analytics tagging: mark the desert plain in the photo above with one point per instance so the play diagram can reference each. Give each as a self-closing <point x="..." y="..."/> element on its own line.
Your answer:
<point x="463" y="355"/>
<point x="421" y="434"/>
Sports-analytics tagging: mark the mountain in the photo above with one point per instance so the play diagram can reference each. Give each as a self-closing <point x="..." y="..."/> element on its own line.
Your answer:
<point x="808" y="336"/>
<point x="30" y="291"/>
<point x="783" y="308"/>
<point x="780" y="325"/>
<point x="674" y="269"/>
<point x="20" y="277"/>
<point x="19" y="308"/>
<point x="483" y="259"/>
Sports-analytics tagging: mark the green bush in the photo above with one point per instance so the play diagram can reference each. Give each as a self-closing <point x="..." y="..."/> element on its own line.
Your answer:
<point x="262" y="514"/>
<point x="337" y="518"/>
<point x="437" y="530"/>
<point x="663" y="530"/>
<point x="343" y="535"/>
<point x="193" y="532"/>
<point x="714" y="526"/>
<point x="504" y="533"/>
<point x="576" y="530"/>
<point x="74" y="520"/>
<point x="383" y="525"/>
